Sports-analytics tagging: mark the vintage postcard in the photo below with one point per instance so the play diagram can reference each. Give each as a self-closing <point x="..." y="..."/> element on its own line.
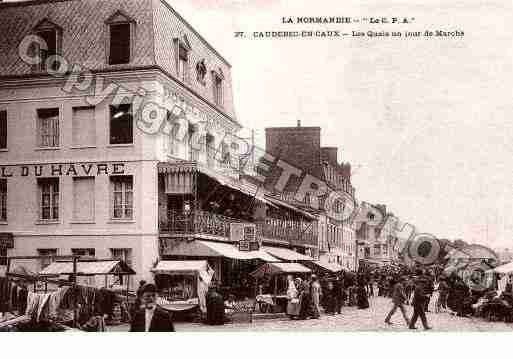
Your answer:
<point x="266" y="165"/>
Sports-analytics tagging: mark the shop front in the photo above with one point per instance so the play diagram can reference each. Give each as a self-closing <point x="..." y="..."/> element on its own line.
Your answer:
<point x="231" y="265"/>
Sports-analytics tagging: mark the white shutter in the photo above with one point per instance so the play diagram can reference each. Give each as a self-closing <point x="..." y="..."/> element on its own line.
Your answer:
<point x="83" y="198"/>
<point x="84" y="126"/>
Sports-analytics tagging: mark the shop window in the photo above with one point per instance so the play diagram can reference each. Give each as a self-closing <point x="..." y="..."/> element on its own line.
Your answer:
<point x="3" y="129"/>
<point x="48" y="127"/>
<point x="3" y="199"/>
<point x="120" y="35"/>
<point x="121" y="124"/>
<point x="122" y="197"/>
<point x="46" y="252"/>
<point x="83" y="199"/>
<point x="48" y="198"/>
<point x="84" y="126"/>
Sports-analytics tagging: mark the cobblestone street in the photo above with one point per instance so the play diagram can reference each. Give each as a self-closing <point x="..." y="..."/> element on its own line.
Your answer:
<point x="353" y="319"/>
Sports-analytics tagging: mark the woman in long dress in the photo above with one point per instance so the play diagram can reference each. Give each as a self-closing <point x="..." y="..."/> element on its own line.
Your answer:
<point x="316" y="297"/>
<point x="293" y="305"/>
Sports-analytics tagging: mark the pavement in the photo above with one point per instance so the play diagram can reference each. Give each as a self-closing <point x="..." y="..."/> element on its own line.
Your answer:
<point x="354" y="320"/>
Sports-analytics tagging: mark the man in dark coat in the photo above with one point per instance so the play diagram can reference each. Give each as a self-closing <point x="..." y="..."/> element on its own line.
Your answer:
<point x="150" y="317"/>
<point x="339" y="294"/>
<point x="398" y="298"/>
<point x="419" y="305"/>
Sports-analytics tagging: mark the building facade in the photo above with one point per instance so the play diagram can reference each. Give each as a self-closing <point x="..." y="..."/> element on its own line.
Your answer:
<point x="78" y="163"/>
<point x="118" y="140"/>
<point x="301" y="148"/>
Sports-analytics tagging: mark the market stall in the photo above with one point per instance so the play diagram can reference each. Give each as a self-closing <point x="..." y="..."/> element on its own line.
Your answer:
<point x="324" y="269"/>
<point x="272" y="281"/>
<point x="183" y="285"/>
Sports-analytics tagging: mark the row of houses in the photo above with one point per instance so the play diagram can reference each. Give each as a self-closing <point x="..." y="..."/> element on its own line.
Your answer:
<point x="83" y="173"/>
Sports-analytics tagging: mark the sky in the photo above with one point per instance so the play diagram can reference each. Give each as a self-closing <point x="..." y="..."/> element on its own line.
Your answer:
<point x="425" y="122"/>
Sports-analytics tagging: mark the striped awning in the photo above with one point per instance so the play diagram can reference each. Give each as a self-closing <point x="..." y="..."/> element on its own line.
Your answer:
<point x="198" y="248"/>
<point x="178" y="180"/>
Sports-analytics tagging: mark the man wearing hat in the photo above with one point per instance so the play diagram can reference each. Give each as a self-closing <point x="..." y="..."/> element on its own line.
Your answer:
<point x="150" y="317"/>
<point x="398" y="299"/>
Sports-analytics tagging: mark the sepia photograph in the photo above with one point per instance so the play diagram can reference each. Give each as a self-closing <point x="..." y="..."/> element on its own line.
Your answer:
<point x="256" y="166"/>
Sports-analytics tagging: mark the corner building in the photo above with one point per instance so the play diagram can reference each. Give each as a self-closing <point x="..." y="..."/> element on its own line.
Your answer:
<point x="77" y="174"/>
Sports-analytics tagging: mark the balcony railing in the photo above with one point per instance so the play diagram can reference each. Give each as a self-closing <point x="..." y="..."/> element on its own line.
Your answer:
<point x="202" y="222"/>
<point x="290" y="231"/>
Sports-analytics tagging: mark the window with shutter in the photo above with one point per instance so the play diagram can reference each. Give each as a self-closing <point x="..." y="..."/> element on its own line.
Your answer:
<point x="83" y="126"/>
<point x="122" y="197"/>
<point x="48" y="127"/>
<point x="49" y="198"/>
<point x="83" y="199"/>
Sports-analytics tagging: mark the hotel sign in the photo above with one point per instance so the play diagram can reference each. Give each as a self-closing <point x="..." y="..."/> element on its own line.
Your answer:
<point x="63" y="169"/>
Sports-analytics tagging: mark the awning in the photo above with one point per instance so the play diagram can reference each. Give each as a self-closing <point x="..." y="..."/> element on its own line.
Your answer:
<point x="330" y="267"/>
<point x="178" y="179"/>
<point x="503" y="269"/>
<point x="198" y="248"/>
<point x="180" y="267"/>
<point x="279" y="268"/>
<point x="286" y="254"/>
<point x="88" y="268"/>
<point x="231" y="251"/>
<point x="279" y="202"/>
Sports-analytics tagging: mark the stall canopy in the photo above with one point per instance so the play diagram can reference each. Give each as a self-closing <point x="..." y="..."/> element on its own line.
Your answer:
<point x="88" y="268"/>
<point x="199" y="248"/>
<point x="330" y="267"/>
<point x="184" y="267"/>
<point x="286" y="254"/>
<point x="279" y="268"/>
<point x="204" y="277"/>
<point x="503" y="269"/>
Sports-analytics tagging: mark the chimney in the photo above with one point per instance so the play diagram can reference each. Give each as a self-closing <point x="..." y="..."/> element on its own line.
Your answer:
<point x="298" y="121"/>
<point x="330" y="154"/>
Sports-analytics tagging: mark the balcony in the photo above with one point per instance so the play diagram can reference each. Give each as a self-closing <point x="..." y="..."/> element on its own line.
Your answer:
<point x="293" y="232"/>
<point x="202" y="222"/>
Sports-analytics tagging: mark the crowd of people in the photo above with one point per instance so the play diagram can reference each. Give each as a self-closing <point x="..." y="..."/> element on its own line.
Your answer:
<point x="423" y="289"/>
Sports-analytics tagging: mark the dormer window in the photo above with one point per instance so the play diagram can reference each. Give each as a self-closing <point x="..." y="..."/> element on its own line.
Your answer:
<point x="218" y="87"/>
<point x="183" y="48"/>
<point x="51" y="35"/>
<point x="121" y="34"/>
<point x="201" y="71"/>
<point x="183" y="63"/>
